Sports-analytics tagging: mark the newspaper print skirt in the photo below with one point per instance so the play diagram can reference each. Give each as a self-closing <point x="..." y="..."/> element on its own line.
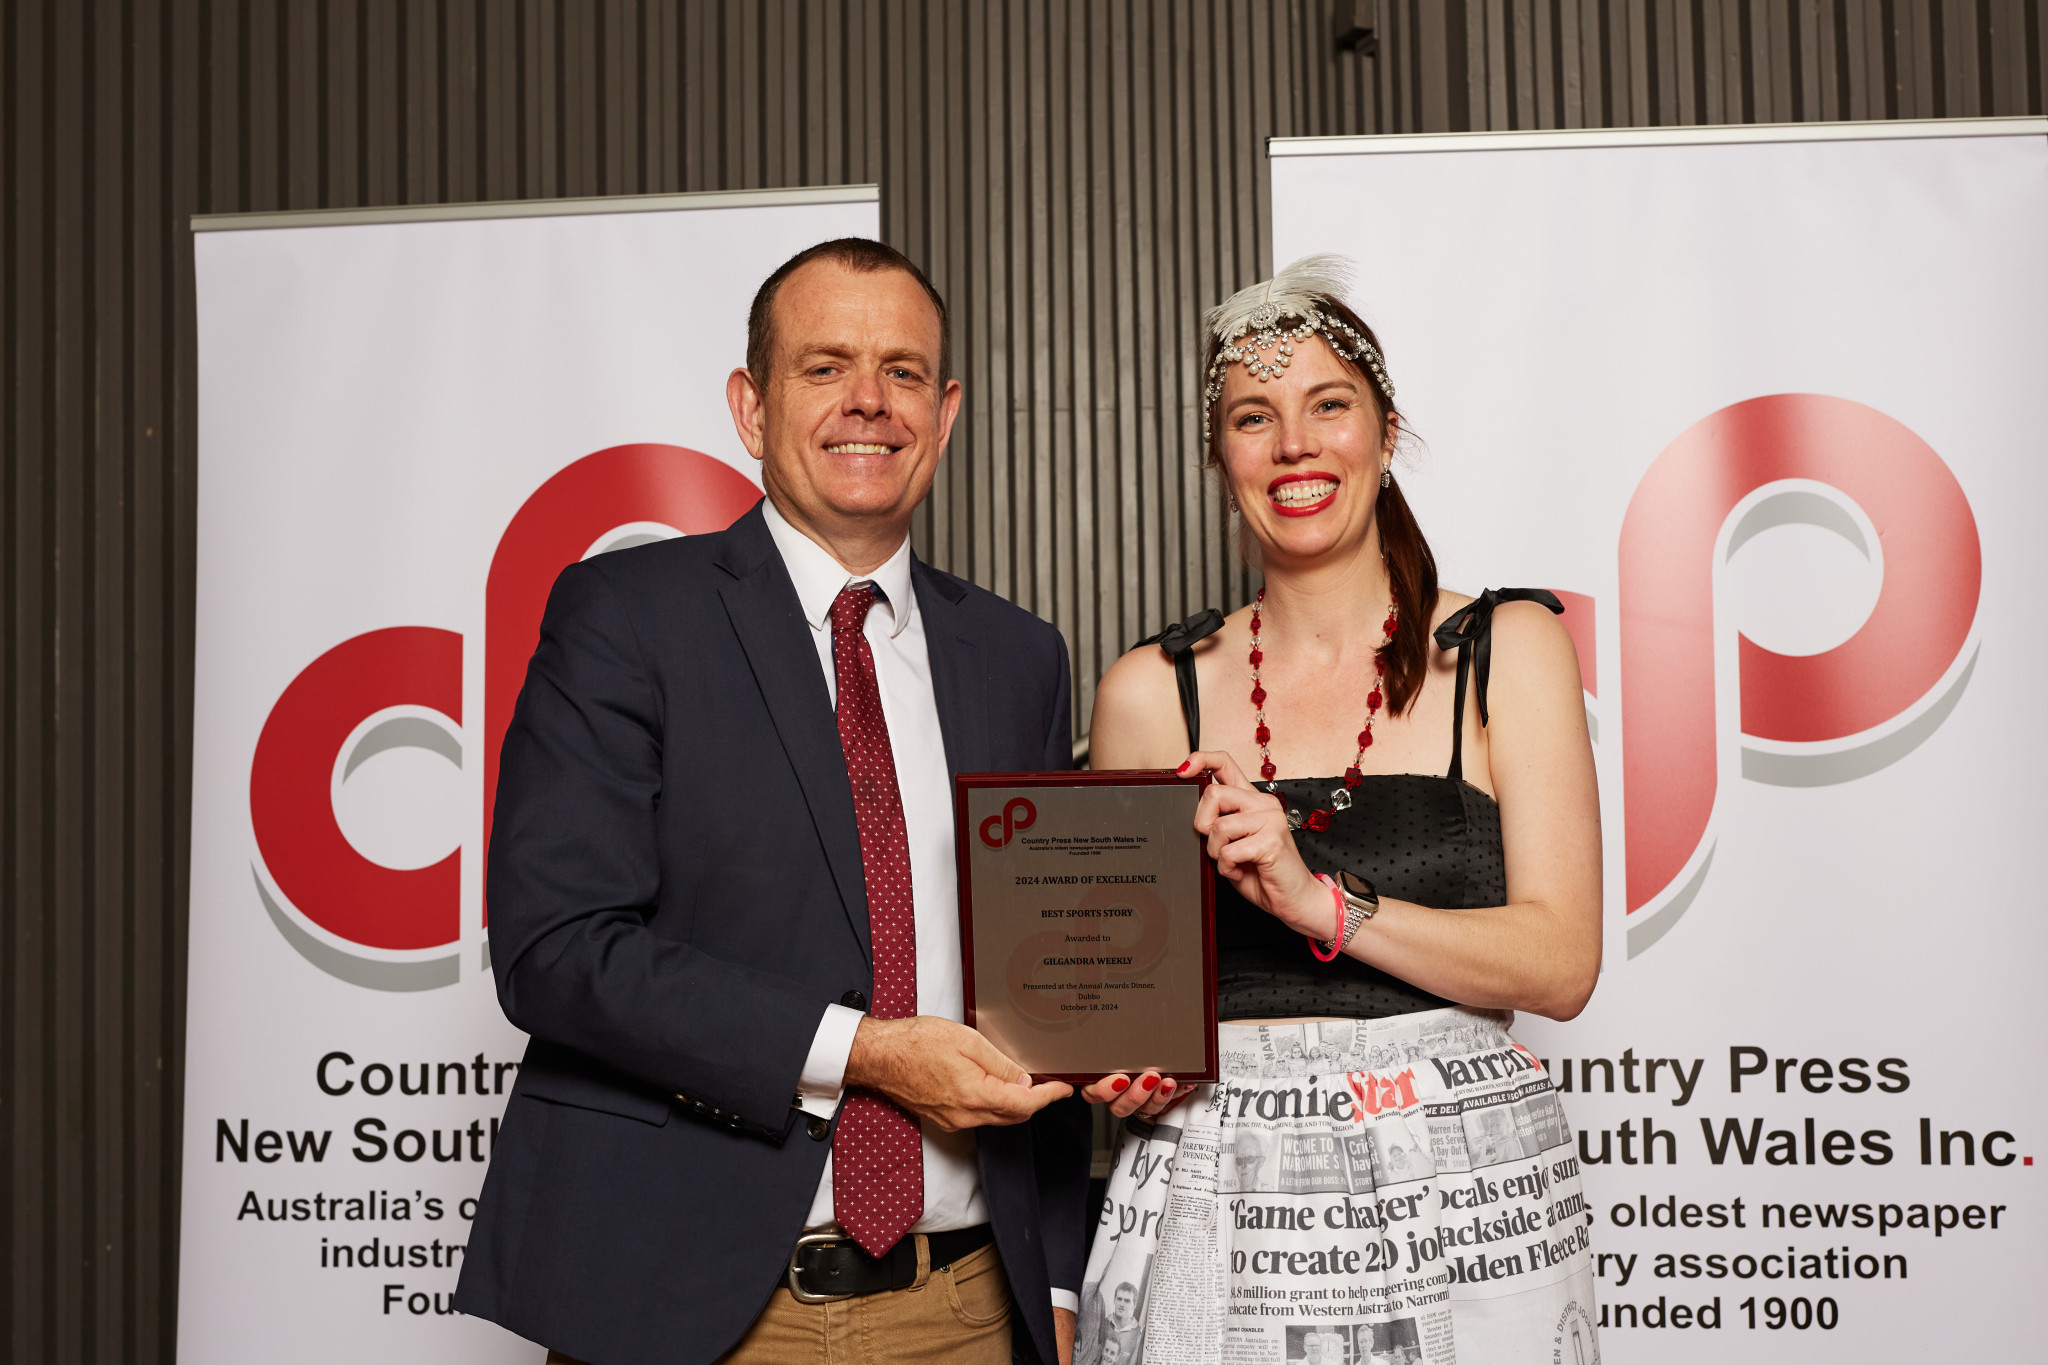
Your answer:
<point x="1395" y="1191"/>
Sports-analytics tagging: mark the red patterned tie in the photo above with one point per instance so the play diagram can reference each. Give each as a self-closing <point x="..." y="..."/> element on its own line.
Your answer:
<point x="878" y="1150"/>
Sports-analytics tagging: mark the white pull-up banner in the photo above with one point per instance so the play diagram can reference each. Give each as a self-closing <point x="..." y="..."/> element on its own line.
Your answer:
<point x="1764" y="406"/>
<point x="410" y="422"/>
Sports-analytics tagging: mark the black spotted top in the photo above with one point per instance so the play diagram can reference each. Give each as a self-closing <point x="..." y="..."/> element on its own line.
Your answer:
<point x="1428" y="840"/>
<point x="1416" y="837"/>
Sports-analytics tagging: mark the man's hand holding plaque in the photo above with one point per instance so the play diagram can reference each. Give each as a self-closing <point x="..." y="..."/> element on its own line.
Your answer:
<point x="946" y="1073"/>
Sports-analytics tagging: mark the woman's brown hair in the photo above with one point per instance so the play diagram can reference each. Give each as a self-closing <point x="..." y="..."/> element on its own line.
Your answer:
<point x="1411" y="568"/>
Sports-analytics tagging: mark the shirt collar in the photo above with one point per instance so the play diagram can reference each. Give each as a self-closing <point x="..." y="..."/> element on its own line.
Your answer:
<point x="819" y="577"/>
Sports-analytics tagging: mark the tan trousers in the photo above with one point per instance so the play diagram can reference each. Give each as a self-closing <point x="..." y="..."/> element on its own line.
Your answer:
<point x="961" y="1314"/>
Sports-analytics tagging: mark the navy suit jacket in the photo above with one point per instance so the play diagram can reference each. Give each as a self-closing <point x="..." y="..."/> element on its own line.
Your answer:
<point x="675" y="895"/>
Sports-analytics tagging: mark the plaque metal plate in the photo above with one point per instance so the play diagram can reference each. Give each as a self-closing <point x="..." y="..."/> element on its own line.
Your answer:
<point x="1087" y="922"/>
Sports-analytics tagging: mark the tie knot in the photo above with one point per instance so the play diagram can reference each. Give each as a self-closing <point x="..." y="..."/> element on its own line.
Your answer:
<point x="850" y="608"/>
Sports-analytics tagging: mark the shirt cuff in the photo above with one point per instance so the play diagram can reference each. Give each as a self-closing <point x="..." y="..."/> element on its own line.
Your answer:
<point x="824" y="1075"/>
<point x="1067" y="1299"/>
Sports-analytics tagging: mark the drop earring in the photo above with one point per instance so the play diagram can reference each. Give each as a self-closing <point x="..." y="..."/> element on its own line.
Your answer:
<point x="1233" y="503"/>
<point x="1386" y="476"/>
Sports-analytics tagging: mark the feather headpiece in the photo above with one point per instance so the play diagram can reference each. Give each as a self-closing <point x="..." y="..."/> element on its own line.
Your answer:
<point x="1247" y="324"/>
<point x="1293" y="293"/>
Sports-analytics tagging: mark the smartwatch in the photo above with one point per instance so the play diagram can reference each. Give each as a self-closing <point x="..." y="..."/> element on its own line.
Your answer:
<point x="1361" y="903"/>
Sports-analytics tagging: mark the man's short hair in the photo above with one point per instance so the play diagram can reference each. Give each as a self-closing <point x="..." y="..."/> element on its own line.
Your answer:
<point x="861" y="255"/>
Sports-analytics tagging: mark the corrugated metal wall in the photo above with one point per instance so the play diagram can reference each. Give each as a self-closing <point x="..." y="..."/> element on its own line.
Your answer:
<point x="1081" y="177"/>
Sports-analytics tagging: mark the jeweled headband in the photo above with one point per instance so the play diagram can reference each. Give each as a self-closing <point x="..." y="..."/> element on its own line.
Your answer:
<point x="1248" y="324"/>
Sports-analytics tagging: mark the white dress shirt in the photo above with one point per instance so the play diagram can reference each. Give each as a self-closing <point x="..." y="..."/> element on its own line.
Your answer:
<point x="903" y="674"/>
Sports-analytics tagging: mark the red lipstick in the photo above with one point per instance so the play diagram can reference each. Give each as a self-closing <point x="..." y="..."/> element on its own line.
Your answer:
<point x="1302" y="509"/>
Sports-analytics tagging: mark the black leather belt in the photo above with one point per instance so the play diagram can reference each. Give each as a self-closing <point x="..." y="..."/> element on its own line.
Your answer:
<point x="826" y="1267"/>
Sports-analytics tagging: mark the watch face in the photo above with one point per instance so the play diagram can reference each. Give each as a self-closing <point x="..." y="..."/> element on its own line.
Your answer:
<point x="1358" y="886"/>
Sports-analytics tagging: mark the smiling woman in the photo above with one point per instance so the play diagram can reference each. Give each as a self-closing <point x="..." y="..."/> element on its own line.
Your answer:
<point x="1446" y="873"/>
<point x="1350" y="400"/>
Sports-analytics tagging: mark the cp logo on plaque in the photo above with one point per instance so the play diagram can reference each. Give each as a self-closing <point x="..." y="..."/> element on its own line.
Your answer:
<point x="1017" y="814"/>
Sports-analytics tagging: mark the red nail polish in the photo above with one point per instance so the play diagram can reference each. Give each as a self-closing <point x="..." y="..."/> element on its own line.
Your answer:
<point x="1183" y="767"/>
<point x="1120" y="1084"/>
<point x="1151" y="1081"/>
<point x="1168" y="1085"/>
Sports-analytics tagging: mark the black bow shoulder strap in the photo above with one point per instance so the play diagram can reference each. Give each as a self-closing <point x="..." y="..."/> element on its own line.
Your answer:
<point x="1178" y="640"/>
<point x="1469" y="630"/>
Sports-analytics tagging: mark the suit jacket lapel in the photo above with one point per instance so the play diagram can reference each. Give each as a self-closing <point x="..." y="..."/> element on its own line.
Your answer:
<point x="959" y="672"/>
<point x="762" y="604"/>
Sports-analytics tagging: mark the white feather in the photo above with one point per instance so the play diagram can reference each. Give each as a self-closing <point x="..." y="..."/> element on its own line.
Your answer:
<point x="1292" y="292"/>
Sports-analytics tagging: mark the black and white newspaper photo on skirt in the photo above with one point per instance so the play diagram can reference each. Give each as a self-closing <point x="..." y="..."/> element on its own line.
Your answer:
<point x="1353" y="1192"/>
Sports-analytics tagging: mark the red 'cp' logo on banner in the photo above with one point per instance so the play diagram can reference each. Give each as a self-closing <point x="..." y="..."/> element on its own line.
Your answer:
<point x="411" y="918"/>
<point x="1837" y="704"/>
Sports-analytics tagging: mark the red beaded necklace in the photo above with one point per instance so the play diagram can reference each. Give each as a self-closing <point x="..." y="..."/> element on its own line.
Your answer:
<point x="1318" y="818"/>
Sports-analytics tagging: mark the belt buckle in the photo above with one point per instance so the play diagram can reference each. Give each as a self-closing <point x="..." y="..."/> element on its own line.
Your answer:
<point x="796" y="1289"/>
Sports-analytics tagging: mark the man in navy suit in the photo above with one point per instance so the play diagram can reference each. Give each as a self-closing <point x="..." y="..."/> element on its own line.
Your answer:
<point x="723" y="902"/>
